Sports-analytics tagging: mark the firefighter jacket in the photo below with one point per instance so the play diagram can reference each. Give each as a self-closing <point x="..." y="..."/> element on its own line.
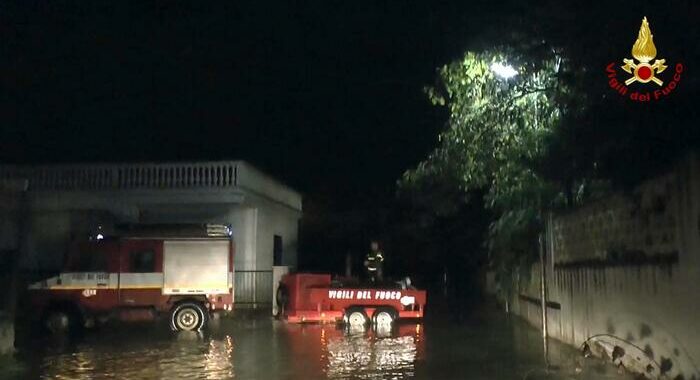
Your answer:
<point x="374" y="260"/>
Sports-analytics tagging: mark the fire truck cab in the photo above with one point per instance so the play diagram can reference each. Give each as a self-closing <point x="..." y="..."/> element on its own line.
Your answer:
<point x="140" y="277"/>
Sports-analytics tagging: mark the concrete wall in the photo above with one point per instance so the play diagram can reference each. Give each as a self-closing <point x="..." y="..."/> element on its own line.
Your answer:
<point x="253" y="180"/>
<point x="626" y="270"/>
<point x="7" y="335"/>
<point x="8" y="231"/>
<point x="9" y="245"/>
<point x="244" y="222"/>
<point x="277" y="220"/>
<point x="278" y="210"/>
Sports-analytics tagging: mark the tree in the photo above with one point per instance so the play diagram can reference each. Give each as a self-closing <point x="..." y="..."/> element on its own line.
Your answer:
<point x="584" y="138"/>
<point x="498" y="133"/>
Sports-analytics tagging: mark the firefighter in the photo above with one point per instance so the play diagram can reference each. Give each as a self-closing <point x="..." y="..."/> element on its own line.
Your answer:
<point x="374" y="262"/>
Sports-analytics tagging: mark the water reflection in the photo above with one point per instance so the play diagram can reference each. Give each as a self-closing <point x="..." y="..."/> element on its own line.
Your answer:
<point x="360" y="353"/>
<point x="357" y="357"/>
<point x="489" y="347"/>
<point x="182" y="356"/>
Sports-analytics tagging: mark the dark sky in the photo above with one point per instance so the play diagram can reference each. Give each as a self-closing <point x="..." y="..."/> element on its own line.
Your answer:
<point x="325" y="95"/>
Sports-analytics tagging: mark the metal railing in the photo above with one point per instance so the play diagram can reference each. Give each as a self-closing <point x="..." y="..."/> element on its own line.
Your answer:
<point x="253" y="288"/>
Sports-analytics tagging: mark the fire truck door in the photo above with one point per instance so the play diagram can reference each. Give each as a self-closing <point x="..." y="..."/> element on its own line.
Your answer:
<point x="141" y="274"/>
<point x="91" y="270"/>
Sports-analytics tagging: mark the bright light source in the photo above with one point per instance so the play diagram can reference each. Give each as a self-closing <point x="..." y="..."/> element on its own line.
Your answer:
<point x="100" y="236"/>
<point x="503" y="71"/>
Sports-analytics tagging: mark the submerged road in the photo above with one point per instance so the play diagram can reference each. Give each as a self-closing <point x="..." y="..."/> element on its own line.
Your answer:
<point x="490" y="345"/>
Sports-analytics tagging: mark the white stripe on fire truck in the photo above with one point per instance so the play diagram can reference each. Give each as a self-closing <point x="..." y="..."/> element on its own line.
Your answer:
<point x="141" y="280"/>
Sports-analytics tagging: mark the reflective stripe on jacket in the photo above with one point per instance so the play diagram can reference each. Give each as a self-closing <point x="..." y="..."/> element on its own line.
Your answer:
<point x="374" y="260"/>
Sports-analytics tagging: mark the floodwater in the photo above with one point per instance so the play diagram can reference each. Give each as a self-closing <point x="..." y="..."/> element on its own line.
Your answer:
<point x="488" y="346"/>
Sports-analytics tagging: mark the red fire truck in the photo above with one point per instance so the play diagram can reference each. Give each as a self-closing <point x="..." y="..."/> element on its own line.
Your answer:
<point x="141" y="276"/>
<point x="304" y="297"/>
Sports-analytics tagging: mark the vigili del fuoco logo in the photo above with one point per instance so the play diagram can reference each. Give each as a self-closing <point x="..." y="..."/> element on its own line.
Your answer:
<point x="645" y="70"/>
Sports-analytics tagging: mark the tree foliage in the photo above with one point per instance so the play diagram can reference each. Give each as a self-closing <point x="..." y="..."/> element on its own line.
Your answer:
<point x="556" y="132"/>
<point x="498" y="133"/>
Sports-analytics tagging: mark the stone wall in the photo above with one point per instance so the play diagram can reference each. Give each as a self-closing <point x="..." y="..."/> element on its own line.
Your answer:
<point x="621" y="227"/>
<point x="624" y="272"/>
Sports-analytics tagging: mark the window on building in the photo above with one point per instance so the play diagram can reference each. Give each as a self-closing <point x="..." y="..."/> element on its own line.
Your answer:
<point x="277" y="250"/>
<point x="142" y="261"/>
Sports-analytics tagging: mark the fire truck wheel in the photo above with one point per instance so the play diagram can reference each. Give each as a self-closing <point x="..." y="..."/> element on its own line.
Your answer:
<point x="355" y="316"/>
<point x="57" y="321"/>
<point x="188" y="316"/>
<point x="384" y="316"/>
<point x="62" y="319"/>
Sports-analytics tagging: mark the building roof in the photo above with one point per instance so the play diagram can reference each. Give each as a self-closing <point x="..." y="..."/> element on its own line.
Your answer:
<point x="219" y="175"/>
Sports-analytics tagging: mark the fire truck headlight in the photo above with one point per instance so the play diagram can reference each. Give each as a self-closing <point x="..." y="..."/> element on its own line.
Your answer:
<point x="408" y="300"/>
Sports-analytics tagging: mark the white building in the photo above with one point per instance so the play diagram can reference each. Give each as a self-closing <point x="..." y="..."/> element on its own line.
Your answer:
<point x="68" y="202"/>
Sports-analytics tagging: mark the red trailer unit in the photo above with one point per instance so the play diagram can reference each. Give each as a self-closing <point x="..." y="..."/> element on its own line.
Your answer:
<point x="305" y="297"/>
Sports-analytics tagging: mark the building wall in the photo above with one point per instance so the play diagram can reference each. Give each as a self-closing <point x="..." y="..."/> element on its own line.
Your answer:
<point x="8" y="222"/>
<point x="274" y="219"/>
<point x="626" y="271"/>
<point x="11" y="204"/>
<point x="7" y="335"/>
<point x="252" y="180"/>
<point x="244" y="221"/>
<point x="48" y="240"/>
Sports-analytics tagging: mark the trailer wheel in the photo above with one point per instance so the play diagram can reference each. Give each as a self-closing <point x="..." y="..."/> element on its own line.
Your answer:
<point x="384" y="316"/>
<point x="355" y="316"/>
<point x="188" y="316"/>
